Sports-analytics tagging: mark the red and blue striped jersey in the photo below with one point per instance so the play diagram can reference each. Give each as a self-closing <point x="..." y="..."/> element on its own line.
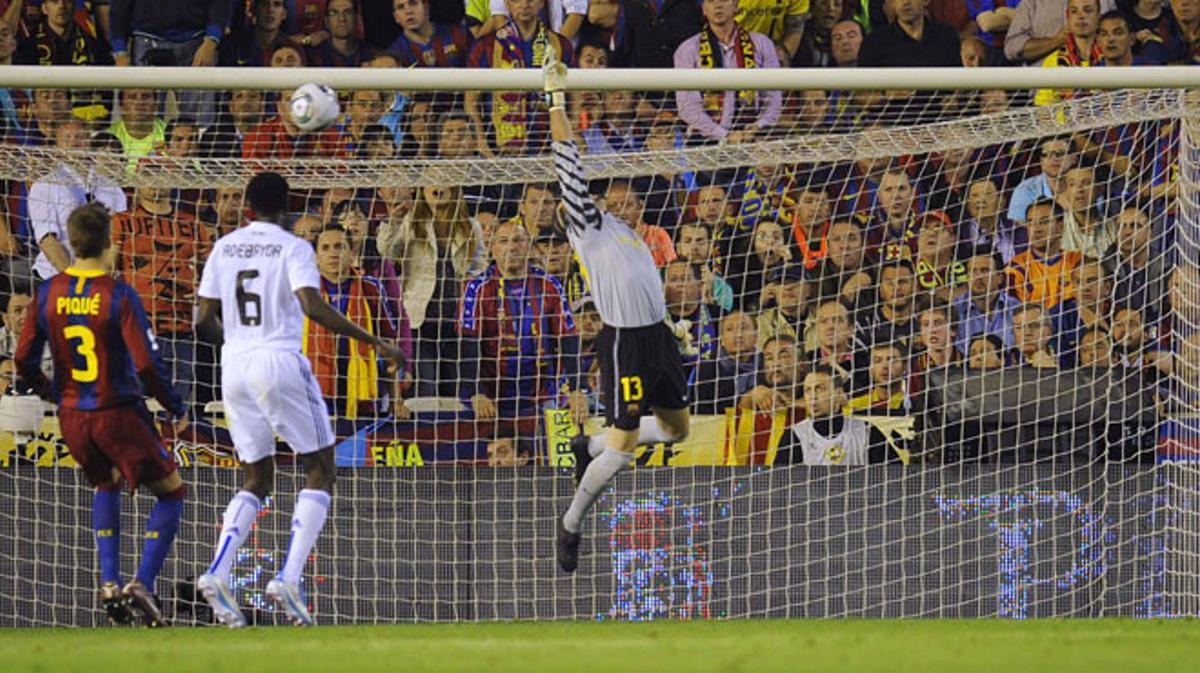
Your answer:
<point x="101" y="343"/>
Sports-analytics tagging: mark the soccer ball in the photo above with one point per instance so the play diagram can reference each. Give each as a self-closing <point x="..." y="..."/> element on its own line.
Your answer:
<point x="314" y="107"/>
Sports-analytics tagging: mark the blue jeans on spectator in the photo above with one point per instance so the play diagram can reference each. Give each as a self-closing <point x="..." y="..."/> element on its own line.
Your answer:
<point x="200" y="106"/>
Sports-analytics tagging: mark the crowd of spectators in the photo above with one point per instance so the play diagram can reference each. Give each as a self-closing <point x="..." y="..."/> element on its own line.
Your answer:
<point x="798" y="281"/>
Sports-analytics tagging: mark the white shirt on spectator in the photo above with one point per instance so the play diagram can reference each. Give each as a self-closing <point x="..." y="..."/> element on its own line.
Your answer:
<point x="1038" y="18"/>
<point x="51" y="201"/>
<point x="556" y="10"/>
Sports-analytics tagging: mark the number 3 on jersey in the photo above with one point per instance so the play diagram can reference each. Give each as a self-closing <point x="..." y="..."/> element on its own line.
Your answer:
<point x="85" y="348"/>
<point x="249" y="303"/>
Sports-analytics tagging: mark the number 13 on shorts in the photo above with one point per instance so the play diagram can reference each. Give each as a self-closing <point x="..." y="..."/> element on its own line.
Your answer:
<point x="632" y="389"/>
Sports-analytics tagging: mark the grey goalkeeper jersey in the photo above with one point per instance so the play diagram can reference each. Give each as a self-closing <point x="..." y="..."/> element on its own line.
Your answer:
<point x="624" y="282"/>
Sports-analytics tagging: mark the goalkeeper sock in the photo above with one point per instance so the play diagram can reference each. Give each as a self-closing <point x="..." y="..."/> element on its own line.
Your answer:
<point x="598" y="474"/>
<point x="106" y="521"/>
<point x="239" y="519"/>
<point x="161" y="528"/>
<point x="650" y="431"/>
<point x="311" y="508"/>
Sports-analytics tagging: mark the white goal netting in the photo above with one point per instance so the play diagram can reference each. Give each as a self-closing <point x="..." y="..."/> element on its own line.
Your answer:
<point x="946" y="359"/>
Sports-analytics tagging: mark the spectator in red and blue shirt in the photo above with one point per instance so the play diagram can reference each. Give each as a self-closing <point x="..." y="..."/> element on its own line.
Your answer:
<point x="519" y="340"/>
<point x="425" y="43"/>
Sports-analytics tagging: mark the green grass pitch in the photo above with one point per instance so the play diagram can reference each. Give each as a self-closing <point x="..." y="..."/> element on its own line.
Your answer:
<point x="928" y="646"/>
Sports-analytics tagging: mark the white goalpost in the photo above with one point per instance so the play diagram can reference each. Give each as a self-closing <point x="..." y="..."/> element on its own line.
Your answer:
<point x="1006" y="296"/>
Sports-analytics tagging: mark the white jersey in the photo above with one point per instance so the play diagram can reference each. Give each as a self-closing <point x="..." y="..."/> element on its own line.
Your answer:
<point x="254" y="272"/>
<point x="624" y="282"/>
<point x="851" y="446"/>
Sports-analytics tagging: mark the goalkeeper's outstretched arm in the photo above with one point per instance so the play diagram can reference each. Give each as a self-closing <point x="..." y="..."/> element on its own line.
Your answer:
<point x="581" y="210"/>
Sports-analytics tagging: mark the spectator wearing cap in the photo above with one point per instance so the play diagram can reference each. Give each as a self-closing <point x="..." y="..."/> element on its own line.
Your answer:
<point x="985" y="308"/>
<point x="424" y="43"/>
<point x="1042" y="273"/>
<point x="556" y="257"/>
<point x="693" y="244"/>
<point x="726" y="116"/>
<point x="912" y="39"/>
<point x="733" y="369"/>
<point x="785" y="305"/>
<point x="936" y="266"/>
<point x="685" y="301"/>
<point x="1038" y="28"/>
<point x="625" y="201"/>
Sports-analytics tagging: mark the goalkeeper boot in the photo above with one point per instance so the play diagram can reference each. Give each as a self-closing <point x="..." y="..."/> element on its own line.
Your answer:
<point x="290" y="600"/>
<point x="566" y="548"/>
<point x="145" y="603"/>
<point x="224" y="606"/>
<point x="583" y="457"/>
<point x="115" y="603"/>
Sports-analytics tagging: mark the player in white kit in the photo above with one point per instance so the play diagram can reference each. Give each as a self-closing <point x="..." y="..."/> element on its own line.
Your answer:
<point x="640" y="364"/>
<point x="259" y="284"/>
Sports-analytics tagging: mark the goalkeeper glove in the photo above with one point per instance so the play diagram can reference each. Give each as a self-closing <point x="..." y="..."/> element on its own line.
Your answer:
<point x="554" y="79"/>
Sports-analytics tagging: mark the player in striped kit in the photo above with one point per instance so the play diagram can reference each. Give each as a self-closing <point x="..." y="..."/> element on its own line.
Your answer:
<point x="640" y="363"/>
<point x="104" y="357"/>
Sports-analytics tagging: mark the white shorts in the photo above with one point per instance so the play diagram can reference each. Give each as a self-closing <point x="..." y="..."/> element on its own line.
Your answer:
<point x="268" y="393"/>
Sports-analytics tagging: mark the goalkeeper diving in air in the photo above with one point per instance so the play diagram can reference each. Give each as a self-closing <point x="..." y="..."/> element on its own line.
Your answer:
<point x="640" y="364"/>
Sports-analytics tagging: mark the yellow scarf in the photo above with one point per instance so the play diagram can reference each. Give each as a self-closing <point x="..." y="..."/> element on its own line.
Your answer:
<point x="321" y="347"/>
<point x="511" y="110"/>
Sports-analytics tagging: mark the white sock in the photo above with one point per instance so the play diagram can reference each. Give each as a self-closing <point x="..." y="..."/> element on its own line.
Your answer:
<point x="239" y="520"/>
<point x="598" y="474"/>
<point x="650" y="431"/>
<point x="309" y="517"/>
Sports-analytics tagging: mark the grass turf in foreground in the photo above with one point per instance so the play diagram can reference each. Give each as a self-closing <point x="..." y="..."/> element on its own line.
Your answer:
<point x="845" y="645"/>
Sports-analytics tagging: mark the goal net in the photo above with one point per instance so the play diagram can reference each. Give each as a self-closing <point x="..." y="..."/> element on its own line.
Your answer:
<point x="943" y="359"/>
